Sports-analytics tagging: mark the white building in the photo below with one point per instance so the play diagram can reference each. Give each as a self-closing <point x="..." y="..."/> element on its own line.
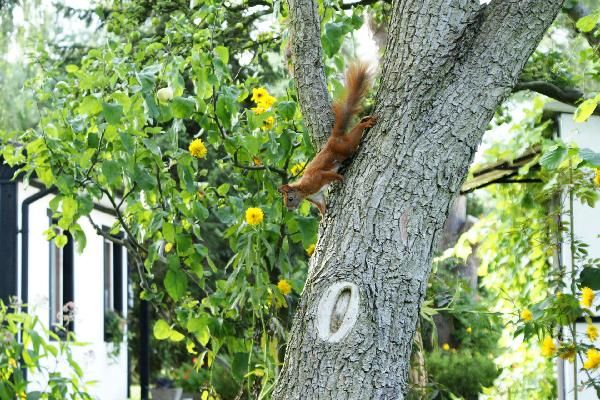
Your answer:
<point x="586" y="222"/>
<point x="46" y="278"/>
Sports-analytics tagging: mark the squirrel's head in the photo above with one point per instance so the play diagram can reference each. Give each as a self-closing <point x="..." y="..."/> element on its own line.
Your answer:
<point x="291" y="196"/>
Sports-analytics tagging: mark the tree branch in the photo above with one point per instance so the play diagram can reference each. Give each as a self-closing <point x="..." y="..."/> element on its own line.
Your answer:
<point x="305" y="38"/>
<point x="569" y="96"/>
<point x="348" y="6"/>
<point x="278" y="171"/>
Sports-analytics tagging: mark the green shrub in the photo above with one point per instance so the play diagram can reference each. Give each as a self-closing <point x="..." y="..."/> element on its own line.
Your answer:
<point x="461" y="372"/>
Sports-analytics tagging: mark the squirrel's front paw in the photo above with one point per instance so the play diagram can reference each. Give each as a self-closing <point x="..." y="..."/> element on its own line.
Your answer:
<point x="368" y="121"/>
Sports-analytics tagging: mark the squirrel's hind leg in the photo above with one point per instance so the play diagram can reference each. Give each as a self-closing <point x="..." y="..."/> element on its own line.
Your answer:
<point x="356" y="134"/>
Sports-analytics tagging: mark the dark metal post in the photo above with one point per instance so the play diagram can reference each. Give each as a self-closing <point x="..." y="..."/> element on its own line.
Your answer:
<point x="144" y="359"/>
<point x="8" y="234"/>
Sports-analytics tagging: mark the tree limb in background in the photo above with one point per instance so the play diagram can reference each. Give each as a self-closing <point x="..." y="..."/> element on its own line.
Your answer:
<point x="569" y="96"/>
<point x="307" y="60"/>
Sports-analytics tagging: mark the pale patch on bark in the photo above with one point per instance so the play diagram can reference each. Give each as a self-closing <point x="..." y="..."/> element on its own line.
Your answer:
<point x="337" y="311"/>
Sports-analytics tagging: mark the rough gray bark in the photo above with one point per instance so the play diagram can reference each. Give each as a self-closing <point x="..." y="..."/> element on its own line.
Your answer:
<point x="448" y="65"/>
<point x="311" y="85"/>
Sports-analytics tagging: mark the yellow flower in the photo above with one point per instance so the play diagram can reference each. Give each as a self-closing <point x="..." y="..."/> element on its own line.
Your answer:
<point x="258" y="94"/>
<point x="254" y="216"/>
<point x="446" y="346"/>
<point x="284" y="287"/>
<point x="548" y="347"/>
<point x="592" y="332"/>
<point x="469" y="330"/>
<point x="310" y="250"/>
<point x="267" y="102"/>
<point x="567" y="353"/>
<point x="526" y="315"/>
<point x="168" y="247"/>
<point x="259" y="110"/>
<point x="587" y="297"/>
<point x="12" y="362"/>
<point x="22" y="395"/>
<point x="593" y="359"/>
<point x="298" y="169"/>
<point x="268" y="123"/>
<point x="263" y="100"/>
<point x="597" y="177"/>
<point x="198" y="149"/>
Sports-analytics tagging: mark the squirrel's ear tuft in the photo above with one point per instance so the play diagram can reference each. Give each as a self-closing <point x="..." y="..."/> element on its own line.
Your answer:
<point x="283" y="188"/>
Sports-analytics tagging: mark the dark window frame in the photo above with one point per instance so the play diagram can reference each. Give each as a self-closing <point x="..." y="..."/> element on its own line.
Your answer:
<point x="116" y="273"/>
<point x="67" y="284"/>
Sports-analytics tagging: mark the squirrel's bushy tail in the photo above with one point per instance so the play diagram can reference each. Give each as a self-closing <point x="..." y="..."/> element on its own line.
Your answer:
<point x="358" y="80"/>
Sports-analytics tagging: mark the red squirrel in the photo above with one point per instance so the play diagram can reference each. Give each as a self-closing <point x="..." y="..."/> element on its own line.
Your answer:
<point x="322" y="170"/>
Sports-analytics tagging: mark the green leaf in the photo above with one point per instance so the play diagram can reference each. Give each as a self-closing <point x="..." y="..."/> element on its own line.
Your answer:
<point x="183" y="107"/>
<point x="333" y="38"/>
<point x="585" y="110"/>
<point x="90" y="105"/>
<point x="112" y="112"/>
<point x="176" y="336"/>
<point x="239" y="365"/>
<point x="223" y="53"/>
<point x="200" y="211"/>
<point x="552" y="158"/>
<point x="175" y="283"/>
<point x="71" y="68"/>
<point x="203" y="335"/>
<point x="286" y="109"/>
<point x="199" y="327"/>
<point x="161" y="330"/>
<point x="590" y="157"/>
<point x="308" y="228"/>
<point x="226" y="109"/>
<point x="588" y="23"/>
<point x="80" y="239"/>
<point x="112" y="172"/>
<point x="590" y="277"/>
<point x="168" y="232"/>
<point x="143" y="178"/>
<point x="60" y="240"/>
<point x="184" y="244"/>
<point x="223" y="189"/>
<point x="69" y="209"/>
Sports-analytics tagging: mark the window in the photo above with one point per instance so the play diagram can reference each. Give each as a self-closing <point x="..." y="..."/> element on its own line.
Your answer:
<point x="61" y="291"/>
<point x="113" y="285"/>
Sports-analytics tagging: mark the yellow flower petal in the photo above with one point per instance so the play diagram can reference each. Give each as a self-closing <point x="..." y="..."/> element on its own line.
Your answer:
<point x="197" y="148"/>
<point x="548" y="347"/>
<point x="284" y="287"/>
<point x="587" y="297"/>
<point x="254" y="216"/>
<point x="526" y="315"/>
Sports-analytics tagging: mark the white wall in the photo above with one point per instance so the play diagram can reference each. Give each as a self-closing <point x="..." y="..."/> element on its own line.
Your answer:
<point x="587" y="228"/>
<point x="110" y="374"/>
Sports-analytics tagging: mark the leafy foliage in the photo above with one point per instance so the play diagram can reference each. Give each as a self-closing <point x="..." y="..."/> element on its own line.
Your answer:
<point x="39" y="356"/>
<point x="161" y="124"/>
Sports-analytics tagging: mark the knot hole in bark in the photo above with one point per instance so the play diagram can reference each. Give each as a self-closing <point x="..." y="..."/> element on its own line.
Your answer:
<point x="338" y="311"/>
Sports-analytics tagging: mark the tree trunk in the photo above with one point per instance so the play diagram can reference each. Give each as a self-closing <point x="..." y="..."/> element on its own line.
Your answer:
<point x="448" y="65"/>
